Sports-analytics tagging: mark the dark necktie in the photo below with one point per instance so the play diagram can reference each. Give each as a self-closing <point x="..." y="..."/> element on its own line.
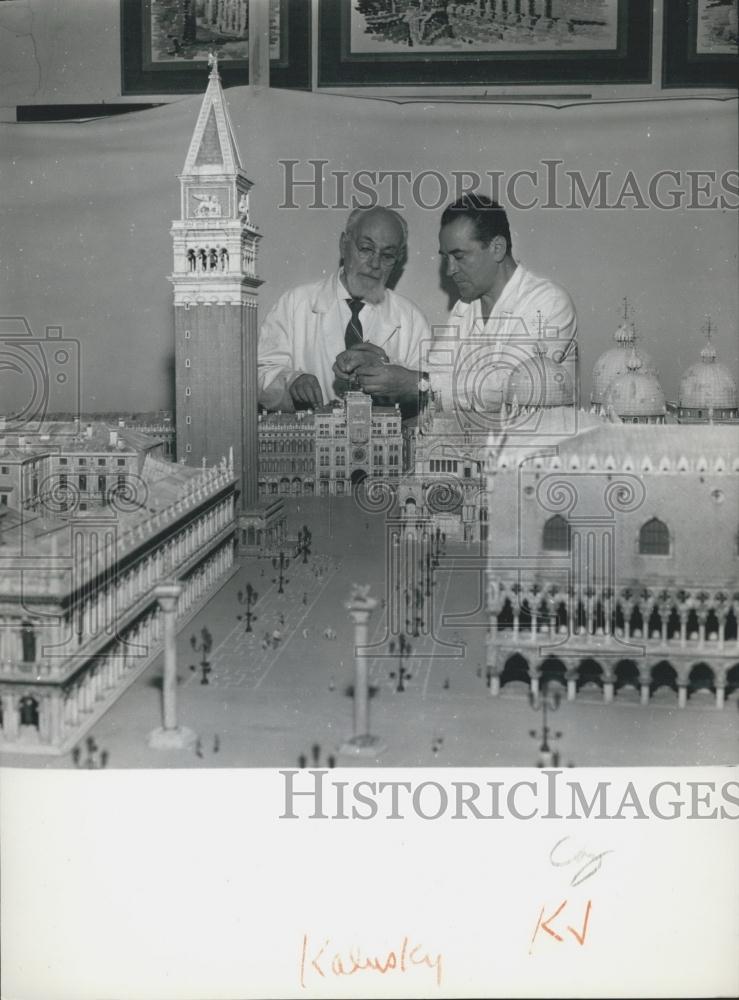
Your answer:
<point x="354" y="334"/>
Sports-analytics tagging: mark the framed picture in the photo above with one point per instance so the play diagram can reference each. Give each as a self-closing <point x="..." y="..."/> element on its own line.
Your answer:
<point x="165" y="44"/>
<point x="385" y="42"/>
<point x="700" y="43"/>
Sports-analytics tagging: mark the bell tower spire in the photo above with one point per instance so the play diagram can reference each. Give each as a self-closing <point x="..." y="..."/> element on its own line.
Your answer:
<point x="215" y="284"/>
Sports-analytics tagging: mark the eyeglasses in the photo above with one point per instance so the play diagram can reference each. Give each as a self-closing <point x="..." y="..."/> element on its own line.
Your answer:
<point x="368" y="251"/>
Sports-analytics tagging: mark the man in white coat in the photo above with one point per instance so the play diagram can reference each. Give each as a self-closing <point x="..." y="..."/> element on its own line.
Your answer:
<point x="349" y="329"/>
<point x="504" y="315"/>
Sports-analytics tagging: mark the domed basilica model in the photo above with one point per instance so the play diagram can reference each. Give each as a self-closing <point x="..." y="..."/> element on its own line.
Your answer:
<point x="636" y="397"/>
<point x="707" y="390"/>
<point x="614" y="362"/>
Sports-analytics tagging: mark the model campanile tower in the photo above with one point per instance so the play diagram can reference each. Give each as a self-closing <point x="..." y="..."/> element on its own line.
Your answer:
<point x="215" y="301"/>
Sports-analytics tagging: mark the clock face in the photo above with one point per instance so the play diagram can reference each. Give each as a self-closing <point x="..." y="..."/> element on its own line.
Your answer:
<point x="359" y="455"/>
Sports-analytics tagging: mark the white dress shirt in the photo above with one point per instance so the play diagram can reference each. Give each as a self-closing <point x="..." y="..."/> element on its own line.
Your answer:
<point x="470" y="360"/>
<point x="304" y="332"/>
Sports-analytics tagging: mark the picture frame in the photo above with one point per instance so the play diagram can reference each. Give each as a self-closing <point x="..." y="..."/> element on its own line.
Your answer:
<point x="697" y="48"/>
<point x="161" y="54"/>
<point x="481" y="42"/>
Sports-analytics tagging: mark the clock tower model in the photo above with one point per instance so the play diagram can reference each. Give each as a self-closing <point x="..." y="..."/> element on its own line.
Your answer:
<point x="215" y="301"/>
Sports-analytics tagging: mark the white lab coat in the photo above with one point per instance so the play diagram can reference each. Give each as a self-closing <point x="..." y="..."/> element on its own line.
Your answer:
<point x="470" y="361"/>
<point x="304" y="332"/>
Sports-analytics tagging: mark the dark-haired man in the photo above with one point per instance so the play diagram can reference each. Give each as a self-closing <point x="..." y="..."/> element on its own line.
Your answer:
<point x="500" y="303"/>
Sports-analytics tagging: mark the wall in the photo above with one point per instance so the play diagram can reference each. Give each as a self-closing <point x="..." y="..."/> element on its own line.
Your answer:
<point x="59" y="52"/>
<point x="89" y="206"/>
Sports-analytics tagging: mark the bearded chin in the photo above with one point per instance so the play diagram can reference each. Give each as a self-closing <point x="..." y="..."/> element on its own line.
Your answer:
<point x="375" y="292"/>
<point x="371" y="290"/>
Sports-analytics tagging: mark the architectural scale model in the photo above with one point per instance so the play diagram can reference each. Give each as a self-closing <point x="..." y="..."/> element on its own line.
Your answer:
<point x="215" y="283"/>
<point x="80" y="617"/>
<point x="331" y="450"/>
<point x="95" y="527"/>
<point x="598" y="549"/>
<point x="598" y="576"/>
<point x="707" y="391"/>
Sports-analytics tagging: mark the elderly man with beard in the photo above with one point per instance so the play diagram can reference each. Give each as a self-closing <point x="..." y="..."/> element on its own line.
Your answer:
<point x="349" y="330"/>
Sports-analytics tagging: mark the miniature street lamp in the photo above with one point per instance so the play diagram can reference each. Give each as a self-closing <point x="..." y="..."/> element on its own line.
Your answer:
<point x="418" y="617"/>
<point x="304" y="540"/>
<point x="404" y="651"/>
<point x="203" y="647"/>
<point x="281" y="565"/>
<point x="438" y="545"/>
<point x="429" y="574"/>
<point x="547" y="703"/>
<point x="248" y="598"/>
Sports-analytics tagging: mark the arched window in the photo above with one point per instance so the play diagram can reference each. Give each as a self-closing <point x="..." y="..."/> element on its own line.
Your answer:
<point x="654" y="538"/>
<point x="28" y="710"/>
<point x="556" y="534"/>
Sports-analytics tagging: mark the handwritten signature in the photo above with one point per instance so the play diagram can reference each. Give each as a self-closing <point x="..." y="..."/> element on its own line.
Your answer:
<point x="590" y="863"/>
<point x="322" y="960"/>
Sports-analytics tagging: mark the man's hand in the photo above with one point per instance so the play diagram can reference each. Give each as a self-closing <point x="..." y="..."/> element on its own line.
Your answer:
<point x="393" y="381"/>
<point x="348" y="361"/>
<point x="305" y="391"/>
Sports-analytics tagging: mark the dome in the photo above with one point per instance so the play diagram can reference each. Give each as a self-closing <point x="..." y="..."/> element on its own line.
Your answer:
<point x="707" y="384"/>
<point x="637" y="393"/>
<point x="539" y="381"/>
<point x="613" y="362"/>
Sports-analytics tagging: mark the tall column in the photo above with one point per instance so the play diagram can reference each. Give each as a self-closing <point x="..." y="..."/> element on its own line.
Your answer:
<point x="10" y="717"/>
<point x="74" y="706"/>
<point x="702" y="617"/>
<point x="721" y="630"/>
<point x="360" y="607"/>
<point x="53" y="711"/>
<point x="170" y="736"/>
<point x="571" y="687"/>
